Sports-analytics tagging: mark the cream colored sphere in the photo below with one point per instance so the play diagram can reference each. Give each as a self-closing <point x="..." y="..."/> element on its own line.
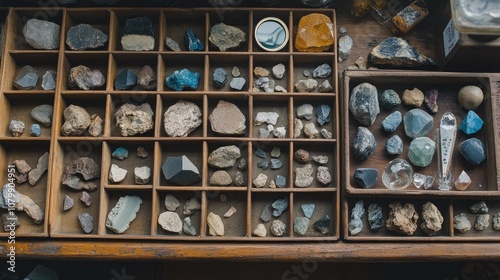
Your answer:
<point x="470" y="97"/>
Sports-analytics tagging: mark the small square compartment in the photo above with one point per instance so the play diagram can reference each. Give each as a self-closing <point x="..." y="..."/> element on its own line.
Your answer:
<point x="119" y="100"/>
<point x="227" y="63"/>
<point x="325" y="204"/>
<point x="140" y="226"/>
<point x="330" y="126"/>
<point x="283" y="15"/>
<point x="65" y="223"/>
<point x="259" y="200"/>
<point x="298" y="14"/>
<point x="269" y="172"/>
<point x="15" y="63"/>
<point x="119" y="17"/>
<point x="236" y="225"/>
<point x="129" y="163"/>
<point x="93" y="104"/>
<point x="30" y="152"/>
<point x="178" y="23"/>
<point x="277" y="104"/>
<point x="302" y="62"/>
<point x="192" y="150"/>
<point x="236" y="18"/>
<point x="243" y="105"/>
<point x="182" y="197"/>
<point x="489" y="234"/>
<point x="98" y="20"/>
<point x="318" y="149"/>
<point x="169" y="100"/>
<point x="135" y="63"/>
<point x="92" y="60"/>
<point x="18" y="107"/>
<point x="230" y="170"/>
<point x="177" y="62"/>
<point x="268" y="62"/>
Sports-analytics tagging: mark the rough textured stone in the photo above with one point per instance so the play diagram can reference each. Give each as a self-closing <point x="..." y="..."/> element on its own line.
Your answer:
<point x="141" y="152"/>
<point x="259" y="231"/>
<point x="421" y="151"/>
<point x="314" y="33"/>
<point x="279" y="70"/>
<point x="303" y="176"/>
<point x="323" y="114"/>
<point x="123" y="213"/>
<point x="76" y="121"/>
<point x="84" y="37"/>
<point x="182" y="118"/>
<point x="297" y="128"/>
<point x="86" y="222"/>
<point x="275" y="152"/>
<point x="361" y="63"/>
<point x="479" y="208"/>
<point x="260" y="72"/>
<point x="375" y="216"/>
<point x="96" y="125"/>
<point x="305" y="111"/>
<point x="306" y="73"/>
<point x="237" y="83"/>
<point x="134" y="119"/>
<point x="42" y="34"/>
<point x="323" y="71"/>
<point x="320" y="159"/>
<point x="345" y="47"/>
<point x="235" y="72"/>
<point x="224" y="157"/>
<point x="306" y="85"/>
<point x="323" y="176"/>
<point x="414" y="97"/>
<point x="43" y="114"/>
<point x="191" y="206"/>
<point x="300" y="225"/>
<point x="389" y="99"/>
<point x="242" y="164"/>
<point x="227" y="119"/>
<point x="221" y="178"/>
<point x="35" y="175"/>
<point x="363" y="103"/>
<point x="120" y="153"/>
<point x="32" y="209"/>
<point x="397" y="52"/>
<point x="471" y="124"/>
<point x="364" y="144"/>
<point x="81" y="77"/>
<point x="226" y="37"/>
<point x="183" y="79"/>
<point x="308" y="209"/>
<point x="279" y="206"/>
<point x="323" y="225"/>
<point x="172" y="44"/>
<point x="260" y="153"/>
<point x="22" y="166"/>
<point x="402" y="219"/>
<point x="126" y="79"/>
<point x="219" y="77"/>
<point x="463" y="181"/>
<point x="496" y="221"/>
<point x="265" y="214"/>
<point x="357" y="215"/>
<point x="142" y="175"/>
<point x="310" y="130"/>
<point x="263" y="164"/>
<point x="180" y="171"/>
<point x="147" y="78"/>
<point x="392" y="121"/>
<point x="278" y="228"/>
<point x="325" y="86"/>
<point x="84" y="166"/>
<point x="239" y="179"/>
<point x="473" y="151"/>
<point x="215" y="225"/>
<point x="276" y="164"/>
<point x="280" y="181"/>
<point x="266" y="117"/>
<point x="279" y="132"/>
<point x="417" y="123"/>
<point x="49" y="80"/>
<point x="430" y="100"/>
<point x="394" y="145"/>
<point x="260" y="181"/>
<point x="138" y="34"/>
<point x="326" y="134"/>
<point x="461" y="223"/>
<point x="432" y="219"/>
<point x="470" y="97"/>
<point x="26" y="78"/>
<point x="482" y="222"/>
<point x="171" y="202"/>
<point x="171" y="222"/>
<point x="16" y="128"/>
<point x="117" y="174"/>
<point x="188" y="227"/>
<point x="366" y="177"/>
<point x="85" y="198"/>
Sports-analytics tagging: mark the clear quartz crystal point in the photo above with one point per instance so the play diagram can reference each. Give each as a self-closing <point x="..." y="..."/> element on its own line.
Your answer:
<point x="419" y="180"/>
<point x="446" y="136"/>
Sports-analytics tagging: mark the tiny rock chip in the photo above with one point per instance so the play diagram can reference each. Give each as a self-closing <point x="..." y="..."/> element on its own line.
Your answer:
<point x="81" y="77"/>
<point x="302" y="156"/>
<point x="188" y="227"/>
<point x="322" y="160"/>
<point x="117" y="174"/>
<point x="260" y="72"/>
<point x="260" y="231"/>
<point x="473" y="151"/>
<point x="183" y="79"/>
<point x="138" y="34"/>
<point x="191" y="206"/>
<point x="221" y="178"/>
<point x="322" y="71"/>
<point x="323" y="176"/>
<point x="180" y="171"/>
<point x="279" y="132"/>
<point x="300" y="225"/>
<point x="141" y="152"/>
<point x="182" y="118"/>
<point x="134" y="119"/>
<point x="310" y="130"/>
<point x="120" y="153"/>
<point x="76" y="121"/>
<point x="260" y="181"/>
<point x="84" y="37"/>
<point x="43" y="114"/>
<point x="325" y="86"/>
<point x="41" y="34"/>
<point x="35" y="175"/>
<point x="303" y="176"/>
<point x="414" y="97"/>
<point x="235" y="72"/>
<point x="279" y="71"/>
<point x="275" y="152"/>
<point x="171" y="222"/>
<point x="361" y="63"/>
<point x="482" y="222"/>
<point x="272" y="184"/>
<point x="402" y="219"/>
<point x="219" y="77"/>
<point x="224" y="157"/>
<point x="266" y="117"/>
<point x="394" y="145"/>
<point x="308" y="209"/>
<point x="265" y="214"/>
<point x="226" y="37"/>
<point x="397" y="52"/>
<point x="306" y="85"/>
<point x="68" y="203"/>
<point x="239" y="179"/>
<point x="172" y="44"/>
<point x="314" y="33"/>
<point x="430" y="100"/>
<point x="126" y="79"/>
<point x="86" y="222"/>
<point x="278" y="228"/>
<point x="297" y="128"/>
<point x="263" y="164"/>
<point x="463" y="181"/>
<point x="123" y="213"/>
<point x="49" y="80"/>
<point x="470" y="97"/>
<point x="230" y="212"/>
<point x="479" y="208"/>
<point x="389" y="99"/>
<point x="279" y="206"/>
<point x="171" y="202"/>
<point x="85" y="198"/>
<point x="363" y="103"/>
<point x="227" y="119"/>
<point x="366" y="177"/>
<point x="375" y="217"/>
<point x="364" y="144"/>
<point x="215" y="225"/>
<point x="96" y="127"/>
<point x="16" y="128"/>
<point x="142" y="175"/>
<point x="237" y="83"/>
<point x="432" y="219"/>
<point x="461" y="223"/>
<point x="147" y="78"/>
<point x="357" y="215"/>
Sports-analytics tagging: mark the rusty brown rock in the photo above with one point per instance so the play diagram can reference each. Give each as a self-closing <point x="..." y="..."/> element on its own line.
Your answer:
<point x="402" y="219"/>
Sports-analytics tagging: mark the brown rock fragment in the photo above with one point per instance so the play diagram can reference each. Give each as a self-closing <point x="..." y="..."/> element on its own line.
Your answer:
<point x="402" y="219"/>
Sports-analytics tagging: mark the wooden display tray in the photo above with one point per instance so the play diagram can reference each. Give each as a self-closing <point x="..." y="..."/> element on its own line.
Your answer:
<point x="110" y="60"/>
<point x="485" y="177"/>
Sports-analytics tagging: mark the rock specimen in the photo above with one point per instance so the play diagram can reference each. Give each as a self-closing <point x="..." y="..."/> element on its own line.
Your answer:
<point x="172" y="44"/>
<point x="22" y="166"/>
<point x="126" y="79"/>
<point x="147" y="79"/>
<point x="85" y="198"/>
<point x="141" y="152"/>
<point x="323" y="176"/>
<point x="375" y="216"/>
<point x="260" y="153"/>
<point x="242" y="164"/>
<point x="432" y="219"/>
<point x="266" y="117"/>
<point x="325" y="86"/>
<point x="345" y="46"/>
<point x="276" y="164"/>
<point x="259" y="230"/>
<point x="227" y="119"/>
<point x="363" y="103"/>
<point x="171" y="202"/>
<point x="275" y="152"/>
<point x="49" y="80"/>
<point x="32" y="209"/>
<point x="120" y="153"/>
<point x="81" y="77"/>
<point x="41" y="34"/>
<point x="215" y="225"/>
<point x="124" y="212"/>
<point x="265" y="214"/>
<point x="142" y="175"/>
<point x="226" y="37"/>
<point x="417" y="123"/>
<point x="219" y="77"/>
<point x="402" y="219"/>
<point x="134" y="119"/>
<point x="171" y="222"/>
<point x="392" y="122"/>
<point x="183" y="79"/>
<point x="366" y="177"/>
<point x="305" y="111"/>
<point x="482" y="222"/>
<point x="279" y="206"/>
<point x="308" y="209"/>
<point x="357" y="216"/>
<point x="117" y="174"/>
<point x="260" y="72"/>
<point x="180" y="171"/>
<point x="278" y="228"/>
<point x="323" y="71"/>
<point x="84" y="37"/>
<point x="300" y="225"/>
<point x="364" y="144"/>
<point x="479" y="208"/>
<point x="471" y="124"/>
<point x="16" y="128"/>
<point x="27" y="78"/>
<point x="310" y="130"/>
<point x="86" y="222"/>
<point x="414" y="97"/>
<point x="473" y="151"/>
<point x="306" y="85"/>
<point x="182" y="118"/>
<point x="43" y="114"/>
<point x="315" y="33"/>
<point x="302" y="156"/>
<point x="221" y="178"/>
<point x="463" y="181"/>
<point x="95" y="128"/>
<point x="430" y="100"/>
<point x="389" y="99"/>
<point x="76" y="121"/>
<point x="470" y="97"/>
<point x="36" y="174"/>
<point x="188" y="227"/>
<point x="397" y="52"/>
<point x="394" y="145"/>
<point x="239" y="179"/>
<point x="237" y="83"/>
<point x="461" y="223"/>
<point x="323" y="225"/>
<point x="83" y="168"/>
<point x="263" y="164"/>
<point x="235" y="72"/>
<point x="191" y="206"/>
<point x="280" y="181"/>
<point x="320" y="159"/>
<point x="260" y="181"/>
<point x="224" y="157"/>
<point x="279" y="70"/>
<point x="303" y="176"/>
<point x="192" y="42"/>
<point x="138" y="35"/>
<point x="68" y="203"/>
<point x="323" y="114"/>
<point x="421" y="151"/>
<point x="496" y="221"/>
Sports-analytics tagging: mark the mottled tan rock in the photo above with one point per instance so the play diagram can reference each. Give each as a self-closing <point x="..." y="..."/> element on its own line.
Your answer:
<point x="311" y="131"/>
<point x="402" y="219"/>
<point x="260" y="230"/>
<point x="414" y="97"/>
<point x="22" y="166"/>
<point x="433" y="219"/>
<point x="260" y="72"/>
<point x="260" y="181"/>
<point x="95" y="128"/>
<point x="32" y="209"/>
<point x="215" y="225"/>
<point x="182" y="118"/>
<point x="470" y="97"/>
<point x="221" y="178"/>
<point x="76" y="121"/>
<point x="35" y="175"/>
<point x="302" y="156"/>
<point x="171" y="222"/>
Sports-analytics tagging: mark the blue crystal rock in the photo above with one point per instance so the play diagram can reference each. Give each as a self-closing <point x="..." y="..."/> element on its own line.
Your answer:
<point x="237" y="83"/>
<point x="421" y="151"/>
<point x="279" y="206"/>
<point x="391" y="122"/>
<point x="308" y="209"/>
<point x="276" y="164"/>
<point x="323" y="114"/>
<point x="192" y="41"/>
<point x="473" y="150"/>
<point x="120" y="153"/>
<point x="260" y="153"/>
<point x="417" y="123"/>
<point x="219" y="77"/>
<point x="366" y="177"/>
<point x="394" y="146"/>
<point x="183" y="79"/>
<point x="263" y="164"/>
<point x="125" y="80"/>
<point x="280" y="181"/>
<point x="35" y="130"/>
<point x="364" y="144"/>
<point x="471" y="124"/>
<point x="375" y="216"/>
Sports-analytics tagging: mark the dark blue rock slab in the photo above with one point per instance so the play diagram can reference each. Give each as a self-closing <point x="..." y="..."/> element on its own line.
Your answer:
<point x="85" y="37"/>
<point x="125" y="80"/>
<point x="366" y="177"/>
<point x="473" y="151"/>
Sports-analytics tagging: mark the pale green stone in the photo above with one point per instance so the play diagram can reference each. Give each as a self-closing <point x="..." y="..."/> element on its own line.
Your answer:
<point x="421" y="151"/>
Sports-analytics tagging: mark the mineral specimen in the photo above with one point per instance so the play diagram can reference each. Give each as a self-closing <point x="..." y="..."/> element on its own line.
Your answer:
<point x="482" y="222"/>
<point x="180" y="171"/>
<point x="397" y="52"/>
<point x="260" y="153"/>
<point x="410" y="16"/>
<point x="398" y="174"/>
<point x="182" y="79"/>
<point x="308" y="209"/>
<point x="85" y="198"/>
<point x="314" y="33"/>
<point x="326" y="134"/>
<point x="138" y="35"/>
<point x="306" y="85"/>
<point x="266" y="117"/>
<point x="363" y="103"/>
<point x="188" y="227"/>
<point x="230" y="212"/>
<point x="215" y="225"/>
<point x="117" y="174"/>
<point x="260" y="181"/>
<point x="22" y="166"/>
<point x="276" y="164"/>
<point x="421" y="151"/>
<point x="297" y="128"/>
<point x="219" y="77"/>
<point x="81" y="77"/>
<point x="463" y="181"/>
<point x="142" y="175"/>
<point x="402" y="219"/>
<point x="239" y="179"/>
<point x="126" y="79"/>
<point x="325" y="86"/>
<point x="345" y="46"/>
<point x="375" y="216"/>
<point x="279" y="206"/>
<point x="84" y="37"/>
<point x="49" y="80"/>
<point x="394" y="145"/>
<point x="182" y="118"/>
<point x="227" y="119"/>
<point x="323" y="225"/>
<point x="76" y="121"/>
<point x="496" y="221"/>
<point x="392" y="121"/>
<point x="263" y="164"/>
<point x="171" y="202"/>
<point x="192" y="42"/>
<point x="320" y="159"/>
<point x="300" y="225"/>
<point x="414" y="97"/>
<point x="260" y="72"/>
<point x="123" y="213"/>
<point x="303" y="176"/>
<point x="357" y="215"/>
<point x="226" y="37"/>
<point x="479" y="208"/>
<point x="462" y="223"/>
<point x="68" y="203"/>
<point x="417" y="123"/>
<point x="237" y="83"/>
<point x="278" y="228"/>
<point x="16" y="128"/>
<point x="191" y="206"/>
<point x="366" y="177"/>
<point x="134" y="119"/>
<point x="302" y="156"/>
<point x="389" y="99"/>
<point x="364" y="144"/>
<point x="235" y="72"/>
<point x="433" y="219"/>
<point x="221" y="178"/>
<point x="310" y="130"/>
<point x="36" y="174"/>
<point x="172" y="44"/>
<point x="32" y="209"/>
<point x="280" y="181"/>
<point x="141" y="152"/>
<point x="430" y="100"/>
<point x="323" y="176"/>
<point x="27" y="78"/>
<point x="471" y="124"/>
<point x="171" y="222"/>
<point x="279" y="70"/>
<point x="260" y="231"/>
<point x="120" y="153"/>
<point x="323" y="114"/>
<point x="95" y="128"/>
<point x="470" y="97"/>
<point x="86" y="222"/>
<point x="305" y="111"/>
<point x="43" y="114"/>
<point x="41" y="34"/>
<point x="473" y="150"/>
<point x="322" y="71"/>
<point x="147" y="78"/>
<point x="224" y="157"/>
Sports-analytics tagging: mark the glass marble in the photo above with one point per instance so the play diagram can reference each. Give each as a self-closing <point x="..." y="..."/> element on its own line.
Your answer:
<point x="398" y="174"/>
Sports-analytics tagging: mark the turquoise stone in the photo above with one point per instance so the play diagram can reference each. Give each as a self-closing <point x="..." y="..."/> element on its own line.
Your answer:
<point x="192" y="41"/>
<point x="391" y="122"/>
<point x="120" y="153"/>
<point x="421" y="151"/>
<point x="183" y="79"/>
<point x="417" y="123"/>
<point x="472" y="123"/>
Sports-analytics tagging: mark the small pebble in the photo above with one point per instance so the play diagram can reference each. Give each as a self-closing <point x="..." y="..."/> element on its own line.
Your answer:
<point x="142" y="175"/>
<point x="85" y="198"/>
<point x="306" y="73"/>
<point x="276" y="164"/>
<point x="260" y="231"/>
<point x="235" y="71"/>
<point x="272" y="184"/>
<point x="470" y="97"/>
<point x="326" y="134"/>
<point x="260" y="153"/>
<point x="230" y="212"/>
<point x="325" y="86"/>
<point x="324" y="175"/>
<point x="35" y="130"/>
<point x="323" y="225"/>
<point x="279" y="71"/>
<point x="86" y="222"/>
<point x="482" y="222"/>
<point x="172" y="44"/>
<point x="239" y="179"/>
<point x="479" y="208"/>
<point x="302" y="156"/>
<point x="308" y="209"/>
<point x="68" y="203"/>
<point x="280" y="181"/>
<point x="188" y="227"/>
<point x="237" y="83"/>
<point x="171" y="202"/>
<point x="16" y="128"/>
<point x="260" y="72"/>
<point x="260" y="181"/>
<point x="278" y="228"/>
<point x="305" y="111"/>
<point x="279" y="132"/>
<point x="265" y="213"/>
<point x="300" y="225"/>
<point x="321" y="159"/>
<point x="141" y="152"/>
<point x="279" y="88"/>
<point x="242" y="164"/>
<point x="275" y="152"/>
<point x="311" y="131"/>
<point x="120" y="153"/>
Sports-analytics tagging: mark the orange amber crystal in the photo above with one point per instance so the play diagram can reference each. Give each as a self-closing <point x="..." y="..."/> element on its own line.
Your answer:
<point x="314" y="34"/>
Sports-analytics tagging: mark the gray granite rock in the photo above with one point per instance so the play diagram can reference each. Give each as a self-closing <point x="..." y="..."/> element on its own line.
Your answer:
<point x="123" y="213"/>
<point x="303" y="176"/>
<point x="279" y="70"/>
<point x="345" y="46"/>
<point x="461" y="223"/>
<point x="26" y="78"/>
<point x="224" y="157"/>
<point x="171" y="222"/>
<point x="375" y="216"/>
<point x="322" y="71"/>
<point x="266" y="117"/>
<point x="300" y="225"/>
<point x="42" y="34"/>
<point x="49" y="80"/>
<point x="496" y="221"/>
<point x="278" y="228"/>
<point x="305" y="111"/>
<point x="306" y="85"/>
<point x="43" y="114"/>
<point x="226" y="37"/>
<point x="357" y="215"/>
<point x="239" y="179"/>
<point x="191" y="206"/>
<point x="323" y="176"/>
<point x="142" y="175"/>
<point x="364" y="144"/>
<point x="86" y="222"/>
<point x="85" y="37"/>
<point x="265" y="214"/>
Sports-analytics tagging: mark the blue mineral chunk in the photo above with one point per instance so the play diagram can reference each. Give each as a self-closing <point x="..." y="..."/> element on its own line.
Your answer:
<point x="308" y="209"/>
<point x="375" y="216"/>
<point x="366" y="177"/>
<point x="192" y="41"/>
<point x="473" y="150"/>
<point x="35" y="130"/>
<point x="471" y="124"/>
<point x="260" y="153"/>
<point x="280" y="181"/>
<point x="276" y="164"/>
<point x="279" y="206"/>
<point x="27" y="78"/>
<point x="263" y="164"/>
<point x="120" y="153"/>
<point x="323" y="114"/>
<point x="392" y="122"/>
<point x="219" y="77"/>
<point x="182" y="79"/>
<point x="394" y="146"/>
<point x="323" y="225"/>
<point x="125" y="80"/>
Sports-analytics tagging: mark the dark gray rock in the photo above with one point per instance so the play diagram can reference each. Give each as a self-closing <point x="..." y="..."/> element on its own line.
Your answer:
<point x="260" y="153"/>
<point x="364" y="144"/>
<point x="237" y="83"/>
<point x="49" y="80"/>
<point x="84" y="37"/>
<point x="86" y="222"/>
<point x="322" y="71"/>
<point x="27" y="78"/>
<point x="397" y="52"/>
<point x="265" y="214"/>
<point x="81" y="77"/>
<point x="263" y="164"/>
<point x="219" y="77"/>
<point x="41" y="34"/>
<point x="392" y="122"/>
<point x="279" y="206"/>
<point x="180" y="171"/>
<point x="125" y="80"/>
<point x="323" y="114"/>
<point x="375" y="216"/>
<point x="479" y="208"/>
<point x="138" y="34"/>
<point x="242" y="164"/>
<point x="276" y="164"/>
<point x="363" y="103"/>
<point x="68" y="203"/>
<point x="147" y="78"/>
<point x="43" y="114"/>
<point x="138" y="26"/>
<point x="323" y="225"/>
<point x="389" y="99"/>
<point x="226" y="37"/>
<point x="394" y="146"/>
<point x="366" y="177"/>
<point x="473" y="151"/>
<point x="417" y="123"/>
<point x="280" y="181"/>
<point x="172" y="44"/>
<point x="192" y="41"/>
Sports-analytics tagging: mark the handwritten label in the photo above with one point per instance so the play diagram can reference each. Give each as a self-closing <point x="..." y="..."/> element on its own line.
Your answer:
<point x="450" y="37"/>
